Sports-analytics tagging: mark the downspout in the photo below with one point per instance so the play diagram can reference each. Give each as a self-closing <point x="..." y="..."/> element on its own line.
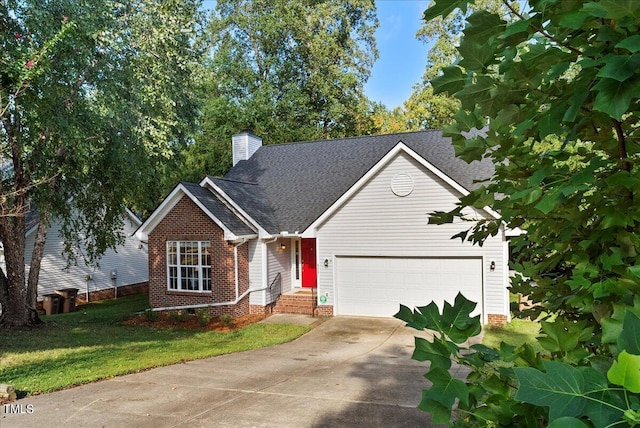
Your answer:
<point x="235" y="264"/>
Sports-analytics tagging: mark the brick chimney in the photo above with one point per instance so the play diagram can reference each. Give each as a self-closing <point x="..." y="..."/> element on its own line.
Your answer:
<point x="245" y="144"/>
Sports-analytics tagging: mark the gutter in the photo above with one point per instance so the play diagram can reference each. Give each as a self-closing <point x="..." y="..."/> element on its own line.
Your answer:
<point x="203" y="305"/>
<point x="209" y="305"/>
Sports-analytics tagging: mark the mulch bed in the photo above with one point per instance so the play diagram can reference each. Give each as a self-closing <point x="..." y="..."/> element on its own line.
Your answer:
<point x="192" y="322"/>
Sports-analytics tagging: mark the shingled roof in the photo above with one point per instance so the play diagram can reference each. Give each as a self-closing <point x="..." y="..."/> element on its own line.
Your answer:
<point x="216" y="207"/>
<point x="285" y="187"/>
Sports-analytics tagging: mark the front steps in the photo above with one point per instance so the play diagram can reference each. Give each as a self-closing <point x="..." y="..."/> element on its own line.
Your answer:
<point x="302" y="302"/>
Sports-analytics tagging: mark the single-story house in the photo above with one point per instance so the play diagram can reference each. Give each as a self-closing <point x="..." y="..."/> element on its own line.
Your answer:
<point x="342" y="222"/>
<point x="122" y="270"/>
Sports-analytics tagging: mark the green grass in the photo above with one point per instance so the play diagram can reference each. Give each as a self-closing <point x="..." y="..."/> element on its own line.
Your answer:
<point x="516" y="333"/>
<point x="93" y="344"/>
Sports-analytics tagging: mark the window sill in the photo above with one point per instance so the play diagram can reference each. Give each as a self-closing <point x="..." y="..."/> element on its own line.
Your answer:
<point x="188" y="293"/>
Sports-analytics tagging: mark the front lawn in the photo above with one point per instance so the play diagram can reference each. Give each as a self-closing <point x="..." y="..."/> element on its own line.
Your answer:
<point x="516" y="333"/>
<point x="93" y="344"/>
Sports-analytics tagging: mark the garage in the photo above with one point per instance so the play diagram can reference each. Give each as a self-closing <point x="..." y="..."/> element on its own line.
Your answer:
<point x="376" y="286"/>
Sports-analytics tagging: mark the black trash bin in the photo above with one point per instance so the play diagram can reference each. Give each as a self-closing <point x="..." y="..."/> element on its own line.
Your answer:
<point x="68" y="296"/>
<point x="51" y="304"/>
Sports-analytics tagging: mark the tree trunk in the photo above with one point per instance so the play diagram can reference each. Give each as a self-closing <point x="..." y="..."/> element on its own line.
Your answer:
<point x="34" y="271"/>
<point x="15" y="312"/>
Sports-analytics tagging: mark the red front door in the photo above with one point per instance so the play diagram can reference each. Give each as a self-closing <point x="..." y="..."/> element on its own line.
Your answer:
<point x="308" y="253"/>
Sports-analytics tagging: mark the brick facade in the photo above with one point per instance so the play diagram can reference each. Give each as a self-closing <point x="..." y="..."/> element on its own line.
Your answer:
<point x="109" y="293"/>
<point x="94" y="296"/>
<point x="261" y="310"/>
<point x="187" y="222"/>
<point x="497" y="320"/>
<point x="324" y="311"/>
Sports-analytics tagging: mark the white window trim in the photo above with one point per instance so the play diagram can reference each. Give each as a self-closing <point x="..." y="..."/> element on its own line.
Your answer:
<point x="178" y="267"/>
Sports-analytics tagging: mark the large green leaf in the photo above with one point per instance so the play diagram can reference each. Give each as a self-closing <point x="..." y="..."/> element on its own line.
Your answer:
<point x="567" y="422"/>
<point x="629" y="338"/>
<point x="626" y="372"/>
<point x="413" y="319"/>
<point x="475" y="56"/>
<point x="563" y="336"/>
<point x="614" y="97"/>
<point x="472" y="149"/>
<point x="483" y="25"/>
<point x="618" y="9"/>
<point x="451" y="80"/>
<point x="548" y="202"/>
<point x="574" y="20"/>
<point x="432" y="316"/>
<point x="476" y="92"/>
<point x="620" y="67"/>
<point x="632" y="44"/>
<point x="440" y="414"/>
<point x="434" y="352"/>
<point x="519" y="26"/>
<point x="449" y="388"/>
<point x="635" y="270"/>
<point x="569" y="392"/>
<point x="561" y="388"/>
<point x="444" y="8"/>
<point x="459" y="315"/>
<point x="604" y="406"/>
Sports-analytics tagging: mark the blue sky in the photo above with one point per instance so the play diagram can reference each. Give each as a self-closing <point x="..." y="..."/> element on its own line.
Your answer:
<point x="402" y="57"/>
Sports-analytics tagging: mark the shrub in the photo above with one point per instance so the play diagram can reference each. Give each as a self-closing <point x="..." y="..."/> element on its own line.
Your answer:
<point x="203" y="316"/>
<point x="226" y="320"/>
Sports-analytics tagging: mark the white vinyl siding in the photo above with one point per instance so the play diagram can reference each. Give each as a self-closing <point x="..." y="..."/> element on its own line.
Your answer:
<point x="279" y="262"/>
<point x="255" y="272"/>
<point x="128" y="261"/>
<point x="376" y="222"/>
<point x="266" y="260"/>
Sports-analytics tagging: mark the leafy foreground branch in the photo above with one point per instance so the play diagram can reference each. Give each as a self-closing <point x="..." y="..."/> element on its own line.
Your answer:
<point x="551" y="96"/>
<point x="519" y="387"/>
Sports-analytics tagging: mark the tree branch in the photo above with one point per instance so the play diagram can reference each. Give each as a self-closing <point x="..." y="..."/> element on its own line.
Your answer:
<point x="540" y="30"/>
<point x="622" y="146"/>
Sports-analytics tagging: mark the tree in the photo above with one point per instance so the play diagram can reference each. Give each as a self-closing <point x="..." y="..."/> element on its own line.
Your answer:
<point x="425" y="109"/>
<point x="287" y="70"/>
<point x="90" y="93"/>
<point x="556" y="94"/>
<point x="388" y="121"/>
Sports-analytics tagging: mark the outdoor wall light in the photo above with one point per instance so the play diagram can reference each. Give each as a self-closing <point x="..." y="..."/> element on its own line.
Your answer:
<point x="492" y="265"/>
<point x="283" y="246"/>
<point x="326" y="262"/>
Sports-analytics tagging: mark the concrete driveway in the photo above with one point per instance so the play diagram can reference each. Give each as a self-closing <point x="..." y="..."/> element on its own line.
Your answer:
<point x="348" y="371"/>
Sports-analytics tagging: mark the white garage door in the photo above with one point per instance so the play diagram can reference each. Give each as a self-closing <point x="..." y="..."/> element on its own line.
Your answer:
<point x="376" y="286"/>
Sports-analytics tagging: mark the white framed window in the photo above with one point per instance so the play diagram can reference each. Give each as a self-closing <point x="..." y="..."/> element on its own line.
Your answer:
<point x="189" y="265"/>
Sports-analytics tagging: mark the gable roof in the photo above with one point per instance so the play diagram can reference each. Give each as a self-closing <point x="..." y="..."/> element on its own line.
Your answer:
<point x="232" y="224"/>
<point x="32" y="219"/>
<point x="300" y="181"/>
<point x="219" y="210"/>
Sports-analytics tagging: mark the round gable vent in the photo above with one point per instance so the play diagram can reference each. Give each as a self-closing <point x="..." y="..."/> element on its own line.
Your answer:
<point x="402" y="184"/>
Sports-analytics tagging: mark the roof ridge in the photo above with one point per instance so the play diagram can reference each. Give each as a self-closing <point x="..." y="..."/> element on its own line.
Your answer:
<point x="212" y="177"/>
<point x="423" y="131"/>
